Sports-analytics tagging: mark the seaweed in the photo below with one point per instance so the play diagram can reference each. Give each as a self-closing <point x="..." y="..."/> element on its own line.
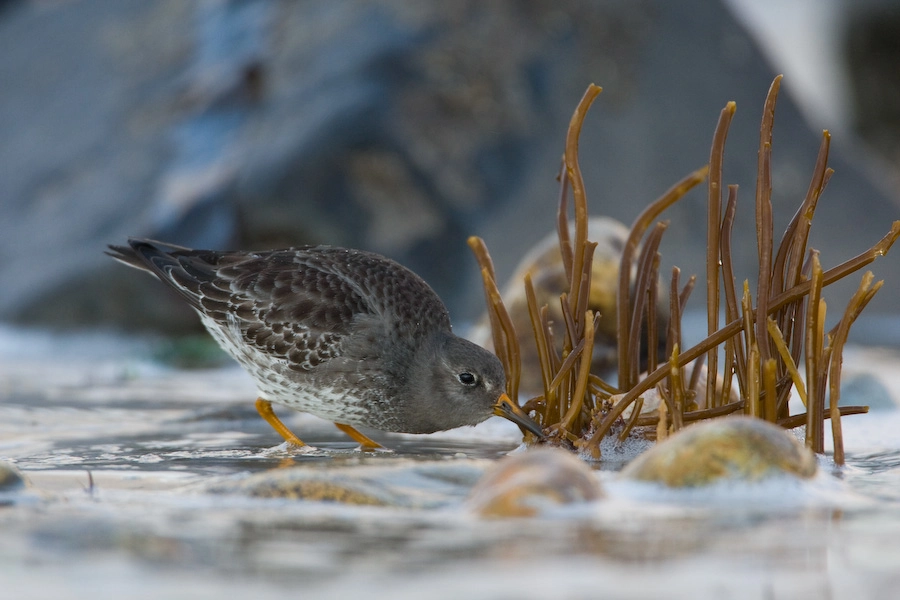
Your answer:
<point x="760" y="344"/>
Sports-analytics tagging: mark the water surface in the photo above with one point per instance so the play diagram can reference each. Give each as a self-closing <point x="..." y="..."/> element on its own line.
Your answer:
<point x="137" y="470"/>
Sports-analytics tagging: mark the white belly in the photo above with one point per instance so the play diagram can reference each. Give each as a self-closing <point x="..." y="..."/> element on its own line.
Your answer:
<point x="277" y="383"/>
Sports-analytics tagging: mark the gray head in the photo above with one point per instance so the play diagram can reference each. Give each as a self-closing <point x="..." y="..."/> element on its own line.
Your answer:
<point x="460" y="383"/>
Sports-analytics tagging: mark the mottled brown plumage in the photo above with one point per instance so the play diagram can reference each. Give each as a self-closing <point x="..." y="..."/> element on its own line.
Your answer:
<point x="346" y="335"/>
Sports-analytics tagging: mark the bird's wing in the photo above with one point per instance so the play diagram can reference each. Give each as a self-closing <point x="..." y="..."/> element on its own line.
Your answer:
<point x="290" y="304"/>
<point x="294" y="306"/>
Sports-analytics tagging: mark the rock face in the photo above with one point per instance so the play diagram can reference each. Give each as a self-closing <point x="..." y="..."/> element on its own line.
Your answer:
<point x="381" y="125"/>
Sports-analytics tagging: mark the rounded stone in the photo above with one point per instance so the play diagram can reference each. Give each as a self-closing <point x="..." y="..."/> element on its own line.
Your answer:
<point x="544" y="263"/>
<point x="11" y="479"/>
<point x="732" y="448"/>
<point x="299" y="484"/>
<point x="322" y="490"/>
<point x="527" y="484"/>
<point x="13" y="485"/>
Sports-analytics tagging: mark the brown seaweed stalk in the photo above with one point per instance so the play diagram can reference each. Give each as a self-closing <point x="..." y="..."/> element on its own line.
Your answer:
<point x="644" y="280"/>
<point x="735" y="359"/>
<point x="627" y="371"/>
<point x="562" y="222"/>
<point x="814" y="338"/>
<point x="584" y="371"/>
<point x="540" y="336"/>
<point x="573" y="173"/>
<point x="713" y="237"/>
<point x="857" y="303"/>
<point x="764" y="337"/>
<point x="764" y="218"/>
<point x="676" y="390"/>
<point x="735" y="326"/>
<point x="769" y="377"/>
<point x="506" y="345"/>
<point x="788" y="360"/>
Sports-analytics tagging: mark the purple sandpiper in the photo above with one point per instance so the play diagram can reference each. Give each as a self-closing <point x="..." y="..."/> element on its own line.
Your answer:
<point x="346" y="335"/>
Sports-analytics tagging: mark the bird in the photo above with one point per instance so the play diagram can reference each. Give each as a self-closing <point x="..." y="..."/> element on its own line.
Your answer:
<point x="346" y="335"/>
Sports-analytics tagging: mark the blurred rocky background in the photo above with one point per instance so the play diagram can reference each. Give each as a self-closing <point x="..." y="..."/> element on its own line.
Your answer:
<point x="403" y="128"/>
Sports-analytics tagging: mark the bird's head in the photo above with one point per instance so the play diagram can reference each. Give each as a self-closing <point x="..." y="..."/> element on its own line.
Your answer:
<point x="464" y="384"/>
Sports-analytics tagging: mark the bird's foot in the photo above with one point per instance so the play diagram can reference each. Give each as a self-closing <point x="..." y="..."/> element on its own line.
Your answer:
<point x="366" y="443"/>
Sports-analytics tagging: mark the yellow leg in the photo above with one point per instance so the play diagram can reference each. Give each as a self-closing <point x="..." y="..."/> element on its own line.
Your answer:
<point x="366" y="442"/>
<point x="264" y="408"/>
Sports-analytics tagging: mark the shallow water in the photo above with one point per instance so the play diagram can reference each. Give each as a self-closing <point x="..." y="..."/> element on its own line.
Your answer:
<point x="140" y="477"/>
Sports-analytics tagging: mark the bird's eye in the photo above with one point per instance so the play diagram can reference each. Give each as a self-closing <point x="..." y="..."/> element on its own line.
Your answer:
<point x="467" y="379"/>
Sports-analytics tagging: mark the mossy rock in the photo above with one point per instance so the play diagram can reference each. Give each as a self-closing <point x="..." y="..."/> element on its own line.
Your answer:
<point x="322" y="490"/>
<point x="733" y="448"/>
<point x="297" y="484"/>
<point x="525" y="484"/>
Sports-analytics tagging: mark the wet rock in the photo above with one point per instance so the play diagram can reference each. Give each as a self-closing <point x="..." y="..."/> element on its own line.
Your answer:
<point x="298" y="484"/>
<point x="733" y="448"/>
<point x="367" y="482"/>
<point x="11" y="479"/>
<point x="529" y="483"/>
<point x="12" y="483"/>
<point x="544" y="264"/>
<point x="866" y="389"/>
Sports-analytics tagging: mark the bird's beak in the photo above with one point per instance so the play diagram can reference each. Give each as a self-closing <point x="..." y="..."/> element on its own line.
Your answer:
<point x="506" y="408"/>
